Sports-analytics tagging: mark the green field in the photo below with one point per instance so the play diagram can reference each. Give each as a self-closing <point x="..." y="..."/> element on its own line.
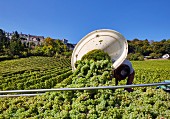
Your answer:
<point x="48" y="72"/>
<point x="33" y="73"/>
<point x="150" y="71"/>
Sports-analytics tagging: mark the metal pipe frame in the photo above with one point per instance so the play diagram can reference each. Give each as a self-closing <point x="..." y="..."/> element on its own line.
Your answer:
<point x="18" y="95"/>
<point x="84" y="88"/>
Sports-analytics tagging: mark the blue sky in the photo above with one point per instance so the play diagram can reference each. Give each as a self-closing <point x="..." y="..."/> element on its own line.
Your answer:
<point x="73" y="19"/>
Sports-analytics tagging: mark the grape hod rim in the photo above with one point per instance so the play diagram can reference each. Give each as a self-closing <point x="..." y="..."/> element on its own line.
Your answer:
<point x="108" y="40"/>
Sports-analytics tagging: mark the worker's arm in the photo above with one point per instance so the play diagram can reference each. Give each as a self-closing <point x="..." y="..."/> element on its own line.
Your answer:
<point x="117" y="78"/>
<point x="130" y="81"/>
<point x="130" y="78"/>
<point x="116" y="81"/>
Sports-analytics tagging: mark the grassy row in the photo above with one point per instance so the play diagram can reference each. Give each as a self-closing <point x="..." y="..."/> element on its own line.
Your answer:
<point x="33" y="72"/>
<point x="32" y="64"/>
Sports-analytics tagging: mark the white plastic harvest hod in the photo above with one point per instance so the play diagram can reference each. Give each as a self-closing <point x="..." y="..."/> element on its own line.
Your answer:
<point x="109" y="41"/>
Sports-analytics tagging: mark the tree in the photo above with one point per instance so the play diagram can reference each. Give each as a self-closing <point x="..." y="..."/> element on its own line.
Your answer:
<point x="136" y="56"/>
<point x="155" y="55"/>
<point x="131" y="47"/>
<point x="166" y="46"/>
<point x="49" y="42"/>
<point x="15" y="36"/>
<point x="15" y="44"/>
<point x="59" y="46"/>
<point x="146" y="48"/>
<point x="4" y="42"/>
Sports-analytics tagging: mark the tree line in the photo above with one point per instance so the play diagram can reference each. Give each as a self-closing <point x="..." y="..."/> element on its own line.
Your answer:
<point x="15" y="47"/>
<point x="138" y="49"/>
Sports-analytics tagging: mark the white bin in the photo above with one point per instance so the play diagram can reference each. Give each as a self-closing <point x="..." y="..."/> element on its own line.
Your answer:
<point x="109" y="41"/>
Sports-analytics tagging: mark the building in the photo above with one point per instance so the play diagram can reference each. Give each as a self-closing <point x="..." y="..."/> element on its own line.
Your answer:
<point x="27" y="38"/>
<point x="69" y="45"/>
<point x="65" y="41"/>
<point x="33" y="40"/>
<point x="166" y="56"/>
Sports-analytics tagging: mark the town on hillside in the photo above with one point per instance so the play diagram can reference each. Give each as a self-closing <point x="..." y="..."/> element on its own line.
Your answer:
<point x="18" y="45"/>
<point x="37" y="40"/>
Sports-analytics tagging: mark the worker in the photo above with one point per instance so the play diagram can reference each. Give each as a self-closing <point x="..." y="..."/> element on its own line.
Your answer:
<point x="125" y="70"/>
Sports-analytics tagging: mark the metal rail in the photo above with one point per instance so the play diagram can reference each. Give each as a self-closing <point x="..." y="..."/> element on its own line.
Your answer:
<point x="18" y="95"/>
<point x="84" y="88"/>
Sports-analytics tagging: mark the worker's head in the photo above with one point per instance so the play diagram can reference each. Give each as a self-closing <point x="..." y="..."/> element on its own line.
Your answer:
<point x="122" y="72"/>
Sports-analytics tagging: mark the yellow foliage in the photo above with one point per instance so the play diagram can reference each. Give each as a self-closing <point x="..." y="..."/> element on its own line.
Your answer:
<point x="49" y="41"/>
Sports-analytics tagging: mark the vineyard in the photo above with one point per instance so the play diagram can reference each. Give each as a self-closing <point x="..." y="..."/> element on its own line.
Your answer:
<point x="48" y="72"/>
<point x="33" y="73"/>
